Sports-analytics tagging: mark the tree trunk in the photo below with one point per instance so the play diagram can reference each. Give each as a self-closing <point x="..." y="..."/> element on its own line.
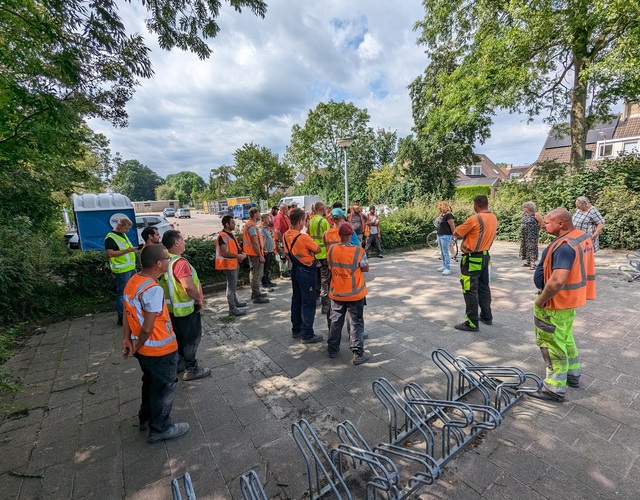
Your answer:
<point x="578" y="114"/>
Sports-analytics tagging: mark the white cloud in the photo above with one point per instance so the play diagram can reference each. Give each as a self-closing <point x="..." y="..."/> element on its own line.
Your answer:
<point x="266" y="74"/>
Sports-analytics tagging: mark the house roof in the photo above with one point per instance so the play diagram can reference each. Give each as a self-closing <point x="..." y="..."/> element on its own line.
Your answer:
<point x="478" y="181"/>
<point x="489" y="170"/>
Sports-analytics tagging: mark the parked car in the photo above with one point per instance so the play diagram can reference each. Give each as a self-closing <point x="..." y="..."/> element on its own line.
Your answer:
<point x="169" y="212"/>
<point x="142" y="221"/>
<point x="183" y="212"/>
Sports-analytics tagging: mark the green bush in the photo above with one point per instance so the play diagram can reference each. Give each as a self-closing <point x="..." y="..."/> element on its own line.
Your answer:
<point x="468" y="193"/>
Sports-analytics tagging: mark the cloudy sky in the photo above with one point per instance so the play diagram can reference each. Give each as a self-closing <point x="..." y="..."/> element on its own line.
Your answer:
<point x="266" y="74"/>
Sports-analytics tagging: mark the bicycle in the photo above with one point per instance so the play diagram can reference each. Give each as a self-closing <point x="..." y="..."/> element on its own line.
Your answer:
<point x="432" y="241"/>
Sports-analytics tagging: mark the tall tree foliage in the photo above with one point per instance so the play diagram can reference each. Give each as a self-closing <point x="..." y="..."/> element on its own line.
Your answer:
<point x="259" y="172"/>
<point x="560" y="58"/>
<point x="135" y="180"/>
<point x="188" y="185"/>
<point x="62" y="61"/>
<point x="314" y="150"/>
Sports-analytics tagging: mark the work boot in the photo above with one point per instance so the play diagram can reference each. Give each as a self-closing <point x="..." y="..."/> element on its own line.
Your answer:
<point x="546" y="395"/>
<point x="237" y="312"/>
<point x="573" y="381"/>
<point x="175" y="431"/>
<point x="196" y="373"/>
<point x="260" y="300"/>
<point x="313" y="340"/>
<point x="466" y="327"/>
<point x="360" y="359"/>
<point x="241" y="303"/>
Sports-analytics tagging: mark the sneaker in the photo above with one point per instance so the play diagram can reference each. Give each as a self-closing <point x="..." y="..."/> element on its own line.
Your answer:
<point x="440" y="269"/>
<point x="358" y="360"/>
<point x="241" y="304"/>
<point x="446" y="272"/>
<point x="486" y="321"/>
<point x="546" y="395"/>
<point x="237" y="312"/>
<point x="465" y="327"/>
<point x="260" y="300"/>
<point x="175" y="431"/>
<point x="143" y="426"/>
<point x="196" y="373"/>
<point x="332" y="354"/>
<point x="313" y="340"/>
<point x="181" y="365"/>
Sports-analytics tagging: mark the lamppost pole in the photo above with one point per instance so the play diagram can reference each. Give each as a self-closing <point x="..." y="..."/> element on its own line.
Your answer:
<point x="344" y="143"/>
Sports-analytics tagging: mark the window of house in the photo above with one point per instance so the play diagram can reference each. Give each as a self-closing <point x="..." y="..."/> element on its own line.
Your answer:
<point x="630" y="147"/>
<point x="605" y="150"/>
<point x="147" y="206"/>
<point x="471" y="170"/>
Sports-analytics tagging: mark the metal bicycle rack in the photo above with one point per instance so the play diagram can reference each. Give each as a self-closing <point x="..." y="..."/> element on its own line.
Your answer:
<point x="188" y="488"/>
<point x="327" y="470"/>
<point x="631" y="270"/>
<point x="498" y="386"/>
<point x="251" y="487"/>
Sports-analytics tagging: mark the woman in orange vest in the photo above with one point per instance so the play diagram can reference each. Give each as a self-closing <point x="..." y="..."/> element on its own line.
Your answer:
<point x="148" y="335"/>
<point x="347" y="292"/>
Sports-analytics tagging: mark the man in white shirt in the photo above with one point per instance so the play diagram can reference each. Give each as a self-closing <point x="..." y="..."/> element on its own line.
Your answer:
<point x="372" y="230"/>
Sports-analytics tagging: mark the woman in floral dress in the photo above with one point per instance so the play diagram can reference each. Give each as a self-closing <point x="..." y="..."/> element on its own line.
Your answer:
<point x="531" y="225"/>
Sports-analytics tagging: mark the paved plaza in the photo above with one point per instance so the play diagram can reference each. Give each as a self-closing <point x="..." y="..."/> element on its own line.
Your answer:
<point x="73" y="433"/>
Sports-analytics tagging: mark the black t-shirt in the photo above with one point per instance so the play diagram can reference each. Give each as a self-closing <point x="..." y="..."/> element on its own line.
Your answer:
<point x="444" y="228"/>
<point x="111" y="244"/>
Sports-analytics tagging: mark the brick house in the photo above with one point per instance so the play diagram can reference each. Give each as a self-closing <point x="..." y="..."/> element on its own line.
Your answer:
<point x="483" y="172"/>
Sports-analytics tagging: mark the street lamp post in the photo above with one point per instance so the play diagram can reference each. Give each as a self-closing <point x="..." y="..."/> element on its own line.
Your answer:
<point x="344" y="143"/>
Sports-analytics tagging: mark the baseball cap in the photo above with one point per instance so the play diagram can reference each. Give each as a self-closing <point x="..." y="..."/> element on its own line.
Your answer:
<point x="345" y="230"/>
<point x="336" y="213"/>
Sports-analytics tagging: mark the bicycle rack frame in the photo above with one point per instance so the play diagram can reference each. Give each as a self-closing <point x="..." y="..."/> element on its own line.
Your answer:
<point x="463" y="377"/>
<point x="251" y="487"/>
<point x="188" y="488"/>
<point x="632" y="270"/>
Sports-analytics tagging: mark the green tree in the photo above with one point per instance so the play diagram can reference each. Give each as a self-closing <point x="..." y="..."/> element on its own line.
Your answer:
<point x="559" y="58"/>
<point x="135" y="180"/>
<point x="220" y="179"/>
<point x="258" y="172"/>
<point x="166" y="192"/>
<point x="314" y="150"/>
<point x="188" y="185"/>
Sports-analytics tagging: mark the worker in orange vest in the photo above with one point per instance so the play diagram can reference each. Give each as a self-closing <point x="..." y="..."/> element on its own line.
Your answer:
<point x="148" y="335"/>
<point x="347" y="291"/>
<point x="228" y="255"/>
<point x="565" y="278"/>
<point x="253" y="246"/>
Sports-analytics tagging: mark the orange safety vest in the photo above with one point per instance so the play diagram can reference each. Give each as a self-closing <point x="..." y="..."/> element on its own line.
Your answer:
<point x="481" y="234"/>
<point x="367" y="228"/>
<point x="331" y="237"/>
<point x="347" y="281"/>
<point x="225" y="263"/>
<point x="581" y="282"/>
<point x="162" y="339"/>
<point x="306" y="259"/>
<point x="247" y="242"/>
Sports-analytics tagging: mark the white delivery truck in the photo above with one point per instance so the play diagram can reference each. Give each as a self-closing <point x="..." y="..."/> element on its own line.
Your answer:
<point x="305" y="202"/>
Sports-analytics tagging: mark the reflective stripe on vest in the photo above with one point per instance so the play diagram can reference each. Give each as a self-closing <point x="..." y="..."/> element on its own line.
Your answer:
<point x="348" y="285"/>
<point x="227" y="263"/>
<point x="580" y="285"/>
<point x="247" y="242"/>
<point x="162" y="339"/>
<point x="126" y="262"/>
<point x="176" y="298"/>
<point x="316" y="233"/>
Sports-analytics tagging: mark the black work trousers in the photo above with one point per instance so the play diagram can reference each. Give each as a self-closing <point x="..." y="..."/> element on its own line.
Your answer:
<point x="474" y="278"/>
<point x="188" y="330"/>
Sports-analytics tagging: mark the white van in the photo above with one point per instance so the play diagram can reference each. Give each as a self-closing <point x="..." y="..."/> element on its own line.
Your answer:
<point x="305" y="202"/>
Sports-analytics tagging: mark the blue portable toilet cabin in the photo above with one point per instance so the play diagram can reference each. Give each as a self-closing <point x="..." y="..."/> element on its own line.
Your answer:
<point x="97" y="214"/>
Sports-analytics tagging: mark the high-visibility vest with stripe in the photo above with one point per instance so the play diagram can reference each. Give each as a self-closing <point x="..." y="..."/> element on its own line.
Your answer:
<point x="126" y="262"/>
<point x="162" y="339"/>
<point x="581" y="282"/>
<point x="331" y="237"/>
<point x="317" y="227"/>
<point x="178" y="301"/>
<point x="482" y="233"/>
<point x="224" y="263"/>
<point x="306" y="258"/>
<point x="347" y="281"/>
<point x="247" y="242"/>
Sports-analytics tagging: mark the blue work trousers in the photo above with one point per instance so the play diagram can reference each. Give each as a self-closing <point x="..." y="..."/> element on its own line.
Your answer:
<point x="303" y="301"/>
<point x="121" y="280"/>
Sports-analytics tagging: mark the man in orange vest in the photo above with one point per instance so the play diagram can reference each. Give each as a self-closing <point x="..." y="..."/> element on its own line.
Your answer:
<point x="565" y="278"/>
<point x="301" y="250"/>
<point x="147" y="335"/>
<point x="478" y="232"/>
<point x="228" y="255"/>
<point x="253" y="247"/>
<point x="347" y="291"/>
